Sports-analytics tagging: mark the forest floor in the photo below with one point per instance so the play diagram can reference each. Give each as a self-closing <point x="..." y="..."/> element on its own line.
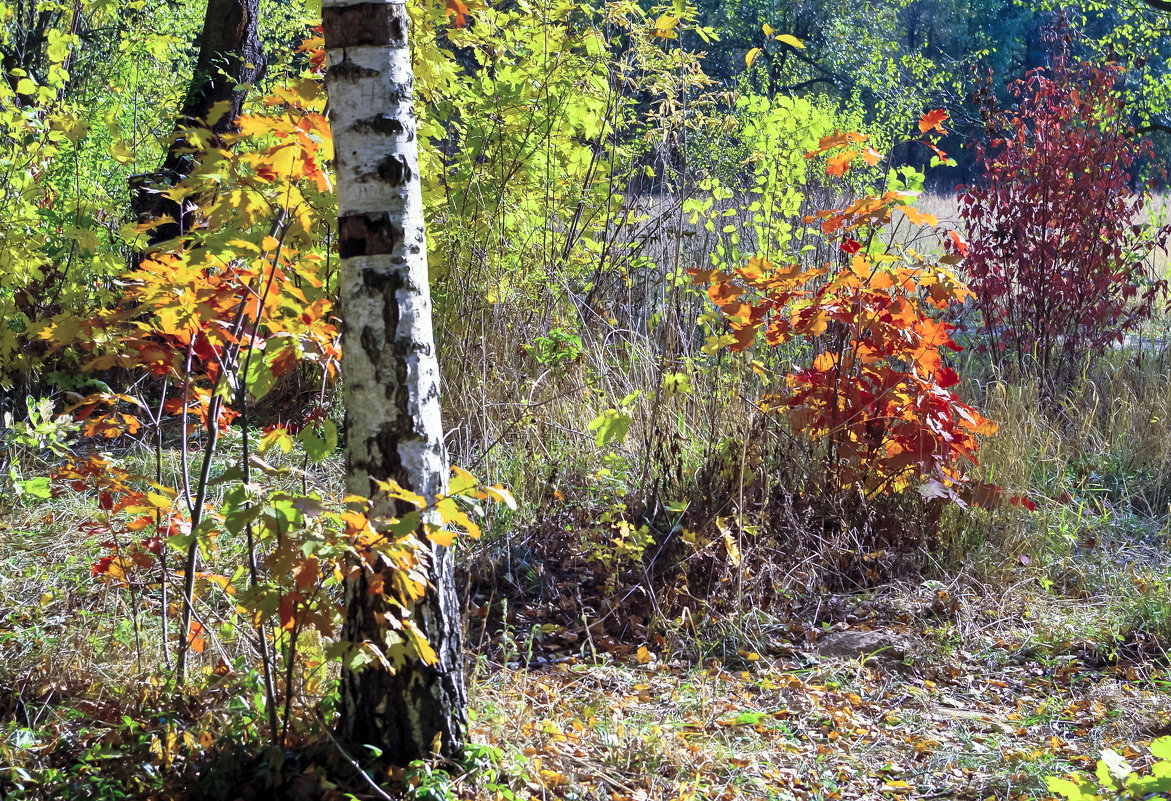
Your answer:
<point x="931" y="689"/>
<point x="982" y="695"/>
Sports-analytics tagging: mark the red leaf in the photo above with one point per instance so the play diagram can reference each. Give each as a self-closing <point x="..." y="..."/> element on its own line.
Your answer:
<point x="946" y="377"/>
<point x="1021" y="500"/>
<point x="850" y="246"/>
<point x="288" y="613"/>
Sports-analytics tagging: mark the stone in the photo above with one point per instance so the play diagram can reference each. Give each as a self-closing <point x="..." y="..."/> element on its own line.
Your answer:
<point x="856" y="644"/>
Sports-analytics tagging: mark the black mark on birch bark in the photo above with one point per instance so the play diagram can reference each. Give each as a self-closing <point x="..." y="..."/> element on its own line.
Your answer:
<point x="373" y="234"/>
<point x="395" y="169"/>
<point x="346" y="70"/>
<point x="365" y="24"/>
<point x="383" y="124"/>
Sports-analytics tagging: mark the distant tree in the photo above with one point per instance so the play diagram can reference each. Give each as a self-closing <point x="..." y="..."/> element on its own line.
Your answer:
<point x="1136" y="34"/>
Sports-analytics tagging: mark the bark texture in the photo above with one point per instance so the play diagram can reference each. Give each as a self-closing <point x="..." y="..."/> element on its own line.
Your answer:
<point x="229" y="55"/>
<point x="389" y="369"/>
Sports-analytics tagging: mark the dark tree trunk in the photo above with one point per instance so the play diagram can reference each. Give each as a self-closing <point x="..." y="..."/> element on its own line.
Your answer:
<point x="390" y="376"/>
<point x="229" y="55"/>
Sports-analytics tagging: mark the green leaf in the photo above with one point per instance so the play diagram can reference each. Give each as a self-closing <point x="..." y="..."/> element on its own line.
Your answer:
<point x="237" y="519"/>
<point x="1161" y="748"/>
<point x="37" y="487"/>
<point x="610" y="426"/>
<point x="750" y="718"/>
<point x="319" y="445"/>
<point x="259" y="378"/>
<point x="1067" y="789"/>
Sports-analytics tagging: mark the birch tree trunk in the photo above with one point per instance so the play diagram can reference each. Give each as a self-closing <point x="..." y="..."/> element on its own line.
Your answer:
<point x="389" y="371"/>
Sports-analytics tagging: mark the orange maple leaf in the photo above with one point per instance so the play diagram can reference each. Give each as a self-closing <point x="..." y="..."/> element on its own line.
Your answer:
<point x="459" y="11"/>
<point x="839" y="164"/>
<point x="195" y="638"/>
<point x="933" y="120"/>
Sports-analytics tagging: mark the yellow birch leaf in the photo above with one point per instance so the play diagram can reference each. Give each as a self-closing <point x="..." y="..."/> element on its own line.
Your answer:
<point x="501" y="495"/>
<point x="665" y="27"/>
<point x="729" y="542"/>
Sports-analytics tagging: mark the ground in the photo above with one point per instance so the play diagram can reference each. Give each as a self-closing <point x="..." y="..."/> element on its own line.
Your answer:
<point x="953" y="687"/>
<point x="984" y="705"/>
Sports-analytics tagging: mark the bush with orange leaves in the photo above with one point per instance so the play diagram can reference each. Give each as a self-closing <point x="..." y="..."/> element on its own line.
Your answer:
<point x="879" y="394"/>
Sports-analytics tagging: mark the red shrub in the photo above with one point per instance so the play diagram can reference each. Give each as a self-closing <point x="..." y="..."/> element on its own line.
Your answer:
<point x="1056" y="258"/>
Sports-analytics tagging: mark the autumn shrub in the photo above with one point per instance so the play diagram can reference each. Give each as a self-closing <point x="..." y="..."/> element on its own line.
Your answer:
<point x="875" y="392"/>
<point x="1057" y="254"/>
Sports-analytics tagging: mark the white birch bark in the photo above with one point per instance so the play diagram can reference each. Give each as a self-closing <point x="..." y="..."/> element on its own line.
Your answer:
<point x="389" y="370"/>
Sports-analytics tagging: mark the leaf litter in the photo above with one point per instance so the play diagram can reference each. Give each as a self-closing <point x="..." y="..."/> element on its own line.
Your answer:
<point x="985" y="704"/>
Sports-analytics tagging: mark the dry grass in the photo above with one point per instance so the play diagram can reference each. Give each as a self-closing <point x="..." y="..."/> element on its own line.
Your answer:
<point x="1097" y="457"/>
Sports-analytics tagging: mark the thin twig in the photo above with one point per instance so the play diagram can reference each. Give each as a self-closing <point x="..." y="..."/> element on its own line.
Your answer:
<point x="354" y="764"/>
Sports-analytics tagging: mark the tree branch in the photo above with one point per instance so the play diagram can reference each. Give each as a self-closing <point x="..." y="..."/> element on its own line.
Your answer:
<point x="1150" y="127"/>
<point x="1159" y="5"/>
